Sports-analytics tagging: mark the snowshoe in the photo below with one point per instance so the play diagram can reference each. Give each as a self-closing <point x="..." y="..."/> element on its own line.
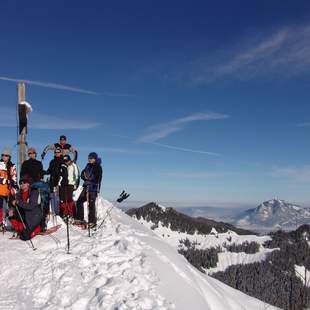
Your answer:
<point x="92" y="226"/>
<point x="15" y="236"/>
<point x="80" y="224"/>
<point x="50" y="230"/>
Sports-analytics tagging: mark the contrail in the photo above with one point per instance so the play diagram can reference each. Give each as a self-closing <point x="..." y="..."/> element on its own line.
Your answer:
<point x="64" y="87"/>
<point x="50" y="85"/>
<point x="167" y="146"/>
<point x="184" y="149"/>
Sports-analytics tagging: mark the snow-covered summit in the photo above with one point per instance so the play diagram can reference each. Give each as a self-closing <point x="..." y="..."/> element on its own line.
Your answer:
<point x="124" y="266"/>
<point x="274" y="214"/>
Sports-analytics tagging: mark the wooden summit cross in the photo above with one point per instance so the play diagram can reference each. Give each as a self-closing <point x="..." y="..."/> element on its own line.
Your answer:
<point x="22" y="124"/>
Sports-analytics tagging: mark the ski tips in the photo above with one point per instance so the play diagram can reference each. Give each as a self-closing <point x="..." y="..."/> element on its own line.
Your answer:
<point x="123" y="195"/>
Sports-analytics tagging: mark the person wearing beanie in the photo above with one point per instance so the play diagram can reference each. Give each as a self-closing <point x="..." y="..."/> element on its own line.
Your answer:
<point x="25" y="214"/>
<point x="8" y="184"/>
<point x="92" y="176"/>
<point x="32" y="167"/>
<point x="68" y="183"/>
<point x="65" y="147"/>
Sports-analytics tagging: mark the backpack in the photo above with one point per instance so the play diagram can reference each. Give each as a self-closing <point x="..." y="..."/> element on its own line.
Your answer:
<point x="44" y="192"/>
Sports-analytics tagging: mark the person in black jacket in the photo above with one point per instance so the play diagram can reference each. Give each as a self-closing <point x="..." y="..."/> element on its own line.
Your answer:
<point x="65" y="192"/>
<point x="54" y="171"/>
<point x="26" y="214"/>
<point x="32" y="167"/>
<point x="91" y="175"/>
<point x="65" y="148"/>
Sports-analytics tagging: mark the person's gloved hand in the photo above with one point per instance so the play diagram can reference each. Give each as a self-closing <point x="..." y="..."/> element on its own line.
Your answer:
<point x="86" y="175"/>
<point x="42" y="156"/>
<point x="11" y="212"/>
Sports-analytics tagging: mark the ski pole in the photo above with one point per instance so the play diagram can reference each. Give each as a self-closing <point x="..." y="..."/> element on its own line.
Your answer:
<point x="106" y="215"/>
<point x="87" y="198"/>
<point x="3" y="215"/>
<point x="68" y="238"/>
<point x="22" y="221"/>
<point x="67" y="220"/>
<point x="123" y="196"/>
<point x="56" y="201"/>
<point x="43" y="211"/>
<point x="53" y="206"/>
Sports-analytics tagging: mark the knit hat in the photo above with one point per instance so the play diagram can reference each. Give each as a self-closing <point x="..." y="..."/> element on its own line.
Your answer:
<point x="63" y="137"/>
<point x="32" y="150"/>
<point x="67" y="158"/>
<point x="93" y="155"/>
<point x="6" y="151"/>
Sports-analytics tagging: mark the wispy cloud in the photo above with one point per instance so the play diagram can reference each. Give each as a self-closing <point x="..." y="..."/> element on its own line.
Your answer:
<point x="157" y="132"/>
<point x="65" y="87"/>
<point x="295" y="174"/>
<point x="197" y="175"/>
<point x="284" y="51"/>
<point x="307" y="124"/>
<point x="43" y="121"/>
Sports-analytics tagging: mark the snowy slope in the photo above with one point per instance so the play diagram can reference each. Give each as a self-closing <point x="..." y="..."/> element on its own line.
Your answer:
<point x="214" y="239"/>
<point x="303" y="274"/>
<point x="125" y="266"/>
<point x="227" y="259"/>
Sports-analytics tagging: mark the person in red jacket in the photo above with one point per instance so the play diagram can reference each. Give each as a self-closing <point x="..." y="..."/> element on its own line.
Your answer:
<point x="25" y="214"/>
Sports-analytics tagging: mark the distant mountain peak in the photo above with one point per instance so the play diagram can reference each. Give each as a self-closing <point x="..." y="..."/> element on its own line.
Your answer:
<point x="276" y="200"/>
<point x="154" y="207"/>
<point x="274" y="214"/>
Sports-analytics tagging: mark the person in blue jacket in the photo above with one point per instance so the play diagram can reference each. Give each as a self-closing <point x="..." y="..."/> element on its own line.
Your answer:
<point x="92" y="176"/>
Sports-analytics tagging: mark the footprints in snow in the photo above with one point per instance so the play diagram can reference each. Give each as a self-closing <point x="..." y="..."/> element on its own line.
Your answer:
<point x="106" y="272"/>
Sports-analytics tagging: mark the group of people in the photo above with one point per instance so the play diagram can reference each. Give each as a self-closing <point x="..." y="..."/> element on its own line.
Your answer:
<point x="25" y="208"/>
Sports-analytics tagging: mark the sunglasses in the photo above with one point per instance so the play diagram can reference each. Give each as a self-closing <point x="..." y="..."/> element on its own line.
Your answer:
<point x="5" y="155"/>
<point x="30" y="153"/>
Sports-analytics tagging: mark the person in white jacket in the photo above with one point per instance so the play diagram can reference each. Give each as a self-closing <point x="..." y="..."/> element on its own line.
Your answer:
<point x="68" y="183"/>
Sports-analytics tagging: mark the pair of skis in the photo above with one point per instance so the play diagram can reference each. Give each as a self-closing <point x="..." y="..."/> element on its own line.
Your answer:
<point x="123" y="196"/>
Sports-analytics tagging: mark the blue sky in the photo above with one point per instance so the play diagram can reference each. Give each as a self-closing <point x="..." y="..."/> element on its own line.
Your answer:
<point x="187" y="103"/>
